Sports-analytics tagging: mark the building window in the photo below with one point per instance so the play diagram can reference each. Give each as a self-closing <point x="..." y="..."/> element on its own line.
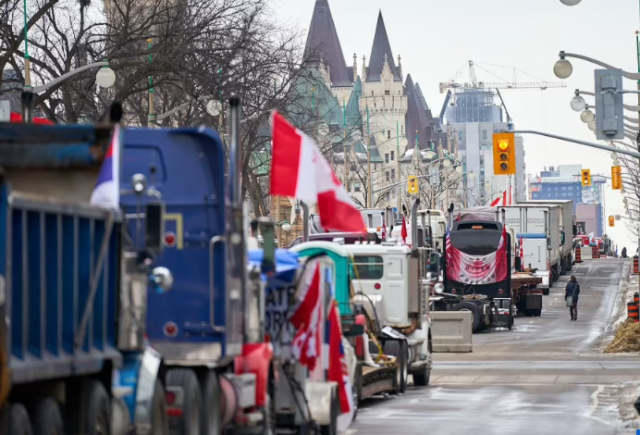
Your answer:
<point x="387" y="92"/>
<point x="388" y="134"/>
<point x="353" y="167"/>
<point x="393" y="175"/>
<point x="387" y="175"/>
<point x="386" y="158"/>
<point x="402" y="130"/>
<point x="484" y="134"/>
<point x="356" y="187"/>
<point x="392" y="156"/>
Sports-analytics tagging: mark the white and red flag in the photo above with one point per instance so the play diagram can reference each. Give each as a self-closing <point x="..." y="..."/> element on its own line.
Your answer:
<point x="307" y="319"/>
<point x="338" y="371"/>
<point x="299" y="170"/>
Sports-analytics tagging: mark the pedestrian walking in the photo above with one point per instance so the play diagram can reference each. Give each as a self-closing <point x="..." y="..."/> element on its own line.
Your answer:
<point x="624" y="252"/>
<point x="571" y="297"/>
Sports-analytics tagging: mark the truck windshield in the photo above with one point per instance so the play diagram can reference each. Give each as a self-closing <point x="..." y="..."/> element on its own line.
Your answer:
<point x="367" y="267"/>
<point x="476" y="242"/>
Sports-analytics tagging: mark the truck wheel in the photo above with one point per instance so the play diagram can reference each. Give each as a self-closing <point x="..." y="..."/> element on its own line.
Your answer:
<point x="159" y="419"/>
<point x="536" y="313"/>
<point x="332" y="428"/>
<point x="189" y="422"/>
<point x="212" y="418"/>
<point x="398" y="348"/>
<point x="19" y="423"/>
<point x="120" y="419"/>
<point x="476" y="321"/>
<point x="357" y="390"/>
<point x="422" y="379"/>
<point x="98" y="409"/>
<point x="545" y="291"/>
<point x="46" y="418"/>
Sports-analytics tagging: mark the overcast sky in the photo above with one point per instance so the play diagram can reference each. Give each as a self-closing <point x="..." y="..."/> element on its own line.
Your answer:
<point x="437" y="37"/>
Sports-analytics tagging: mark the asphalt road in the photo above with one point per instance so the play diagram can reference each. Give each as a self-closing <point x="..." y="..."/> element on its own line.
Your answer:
<point x="545" y="376"/>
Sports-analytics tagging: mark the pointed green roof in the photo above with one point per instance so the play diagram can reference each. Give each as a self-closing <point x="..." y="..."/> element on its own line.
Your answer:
<point x="353" y="115"/>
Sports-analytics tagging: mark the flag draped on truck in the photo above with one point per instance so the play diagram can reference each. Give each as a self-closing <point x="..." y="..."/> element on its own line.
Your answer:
<point x="477" y="269"/>
<point x="307" y="319"/>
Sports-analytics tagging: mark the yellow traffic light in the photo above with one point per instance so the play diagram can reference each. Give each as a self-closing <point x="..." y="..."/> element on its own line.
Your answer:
<point x="612" y="221"/>
<point x="616" y="178"/>
<point x="586" y="177"/>
<point x="412" y="184"/>
<point x="504" y="154"/>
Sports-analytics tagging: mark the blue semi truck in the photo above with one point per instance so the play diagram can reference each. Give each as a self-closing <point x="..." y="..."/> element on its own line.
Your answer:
<point x="73" y="354"/>
<point x="216" y="366"/>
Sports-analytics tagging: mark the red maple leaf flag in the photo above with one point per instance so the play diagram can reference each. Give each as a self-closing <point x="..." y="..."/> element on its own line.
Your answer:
<point x="299" y="170"/>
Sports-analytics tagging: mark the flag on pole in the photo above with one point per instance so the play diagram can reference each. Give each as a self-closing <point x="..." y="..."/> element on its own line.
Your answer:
<point x="495" y="202"/>
<point x="307" y="319"/>
<point x="107" y="191"/>
<point x="299" y="170"/>
<point x="403" y="232"/>
<point x="384" y="231"/>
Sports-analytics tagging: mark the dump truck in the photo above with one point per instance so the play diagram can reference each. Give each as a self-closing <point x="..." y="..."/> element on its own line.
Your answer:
<point x="73" y="290"/>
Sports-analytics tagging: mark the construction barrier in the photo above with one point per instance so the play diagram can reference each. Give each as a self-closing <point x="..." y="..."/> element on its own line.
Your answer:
<point x="595" y="252"/>
<point x="452" y="331"/>
<point x="586" y="253"/>
<point x="636" y="298"/>
<point x="635" y="265"/>
<point x="632" y="311"/>
<point x="578" y="255"/>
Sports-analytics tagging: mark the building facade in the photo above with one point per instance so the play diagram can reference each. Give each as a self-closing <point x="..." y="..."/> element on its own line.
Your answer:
<point x="473" y="117"/>
<point x="563" y="182"/>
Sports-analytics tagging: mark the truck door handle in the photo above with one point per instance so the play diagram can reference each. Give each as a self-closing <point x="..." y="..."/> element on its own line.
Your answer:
<point x="212" y="244"/>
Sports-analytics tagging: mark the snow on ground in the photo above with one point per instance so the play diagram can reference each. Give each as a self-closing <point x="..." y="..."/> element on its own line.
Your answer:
<point x="629" y="286"/>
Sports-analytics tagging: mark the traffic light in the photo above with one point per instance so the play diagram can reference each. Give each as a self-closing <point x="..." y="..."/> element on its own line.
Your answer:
<point x="412" y="184"/>
<point x="612" y="221"/>
<point x="616" y="178"/>
<point x="586" y="177"/>
<point x="609" y="115"/>
<point x="504" y="154"/>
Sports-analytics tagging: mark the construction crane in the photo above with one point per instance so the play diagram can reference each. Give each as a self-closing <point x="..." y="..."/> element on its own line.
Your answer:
<point x="473" y="82"/>
<point x="452" y="85"/>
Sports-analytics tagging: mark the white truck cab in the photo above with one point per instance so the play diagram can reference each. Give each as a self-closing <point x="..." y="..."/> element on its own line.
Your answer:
<point x="386" y="281"/>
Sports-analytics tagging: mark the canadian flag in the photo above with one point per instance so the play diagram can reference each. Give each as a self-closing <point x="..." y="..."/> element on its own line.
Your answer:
<point x="307" y="319"/>
<point x="338" y="370"/>
<point x="299" y="170"/>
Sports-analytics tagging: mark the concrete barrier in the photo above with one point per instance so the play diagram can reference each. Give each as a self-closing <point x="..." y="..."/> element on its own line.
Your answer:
<point x="587" y="253"/>
<point x="452" y="331"/>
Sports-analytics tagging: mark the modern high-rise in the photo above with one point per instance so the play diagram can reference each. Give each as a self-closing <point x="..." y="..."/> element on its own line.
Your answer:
<point x="473" y="116"/>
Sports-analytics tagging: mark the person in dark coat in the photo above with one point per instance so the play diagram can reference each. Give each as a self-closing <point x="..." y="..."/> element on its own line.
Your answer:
<point x="624" y="252"/>
<point x="571" y="293"/>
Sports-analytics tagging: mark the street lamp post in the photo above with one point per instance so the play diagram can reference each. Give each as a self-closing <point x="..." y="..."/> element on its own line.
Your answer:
<point x="105" y="78"/>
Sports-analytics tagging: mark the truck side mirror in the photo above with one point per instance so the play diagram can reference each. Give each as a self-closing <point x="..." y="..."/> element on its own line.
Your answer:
<point x="420" y="242"/>
<point x="267" y="230"/>
<point x="154" y="226"/>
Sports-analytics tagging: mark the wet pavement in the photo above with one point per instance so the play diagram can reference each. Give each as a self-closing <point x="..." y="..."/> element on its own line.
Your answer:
<point x="547" y="375"/>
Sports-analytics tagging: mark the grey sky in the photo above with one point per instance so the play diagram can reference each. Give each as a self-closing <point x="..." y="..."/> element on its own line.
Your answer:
<point x="436" y="37"/>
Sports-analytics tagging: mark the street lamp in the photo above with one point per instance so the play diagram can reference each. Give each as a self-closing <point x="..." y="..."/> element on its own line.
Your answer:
<point x="570" y="2"/>
<point x="587" y="116"/>
<point x="563" y="68"/>
<point x="592" y="125"/>
<point x="105" y="77"/>
<point x="578" y="103"/>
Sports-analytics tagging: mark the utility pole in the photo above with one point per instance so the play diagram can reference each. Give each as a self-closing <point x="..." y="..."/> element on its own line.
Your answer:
<point x="369" y="173"/>
<point x="399" y="194"/>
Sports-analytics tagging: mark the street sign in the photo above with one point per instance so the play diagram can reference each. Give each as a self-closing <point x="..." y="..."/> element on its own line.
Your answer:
<point x="5" y="111"/>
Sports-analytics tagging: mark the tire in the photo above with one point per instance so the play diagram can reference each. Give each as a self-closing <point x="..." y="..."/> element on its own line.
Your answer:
<point x="46" y="418"/>
<point x="422" y="379"/>
<point x="398" y="348"/>
<point x="357" y="390"/>
<point x="190" y="423"/>
<point x="212" y="415"/>
<point x="473" y="308"/>
<point x="19" y="423"/>
<point x="97" y="406"/>
<point x="536" y="313"/>
<point x="332" y="428"/>
<point x="159" y="419"/>
<point x="545" y="291"/>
